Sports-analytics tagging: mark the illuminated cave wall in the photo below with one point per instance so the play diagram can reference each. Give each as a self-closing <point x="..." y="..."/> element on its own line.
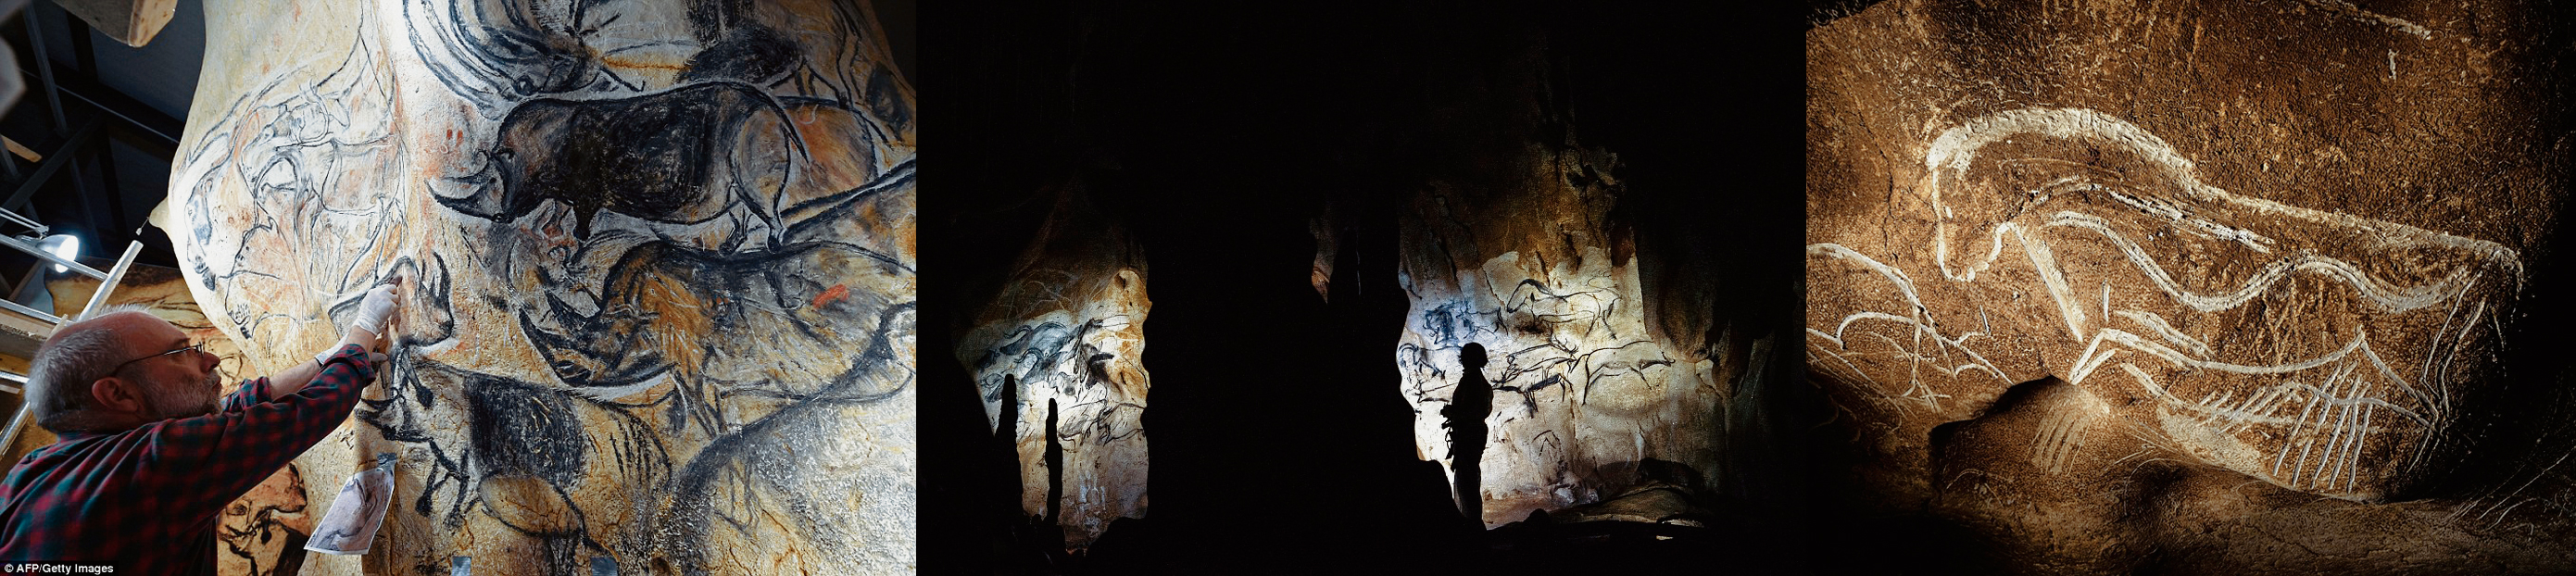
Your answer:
<point x="1584" y="389"/>
<point x="1513" y="244"/>
<point x="2201" y="287"/>
<point x="660" y="263"/>
<point x="1068" y="327"/>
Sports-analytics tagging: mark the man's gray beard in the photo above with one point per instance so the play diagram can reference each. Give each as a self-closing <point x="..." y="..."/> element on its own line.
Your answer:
<point x="207" y="386"/>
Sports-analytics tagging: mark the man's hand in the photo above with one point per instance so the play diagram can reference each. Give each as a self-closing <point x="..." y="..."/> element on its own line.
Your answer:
<point x="370" y="330"/>
<point x="375" y="315"/>
<point x="373" y="322"/>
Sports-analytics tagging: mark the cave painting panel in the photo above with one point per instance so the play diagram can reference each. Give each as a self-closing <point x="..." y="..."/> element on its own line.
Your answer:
<point x="1585" y="392"/>
<point x="661" y="260"/>
<point x="2317" y="351"/>
<point x="2195" y="287"/>
<point x="1068" y="330"/>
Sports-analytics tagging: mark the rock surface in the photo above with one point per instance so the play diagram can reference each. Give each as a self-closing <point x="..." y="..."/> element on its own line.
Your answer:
<point x="2108" y="281"/>
<point x="659" y="259"/>
<point x="1068" y="330"/>
<point x="1512" y="245"/>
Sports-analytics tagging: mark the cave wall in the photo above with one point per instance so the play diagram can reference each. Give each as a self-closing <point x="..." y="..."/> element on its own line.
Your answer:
<point x="1585" y="391"/>
<point x="2210" y="287"/>
<point x="1067" y="329"/>
<point x="1516" y="242"/>
<point x="659" y="261"/>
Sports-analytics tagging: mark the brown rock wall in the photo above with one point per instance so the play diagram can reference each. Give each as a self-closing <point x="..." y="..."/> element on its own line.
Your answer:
<point x="660" y="264"/>
<point x="2122" y="285"/>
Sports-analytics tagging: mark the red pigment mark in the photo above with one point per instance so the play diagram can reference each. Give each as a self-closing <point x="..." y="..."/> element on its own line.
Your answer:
<point x="838" y="292"/>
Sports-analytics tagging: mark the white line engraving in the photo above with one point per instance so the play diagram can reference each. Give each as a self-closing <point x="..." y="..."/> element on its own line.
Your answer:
<point x="2312" y="349"/>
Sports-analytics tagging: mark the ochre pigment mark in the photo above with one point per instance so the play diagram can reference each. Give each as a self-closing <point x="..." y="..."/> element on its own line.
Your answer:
<point x="837" y="292"/>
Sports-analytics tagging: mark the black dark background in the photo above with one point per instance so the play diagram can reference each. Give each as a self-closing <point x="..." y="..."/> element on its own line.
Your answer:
<point x="1279" y="441"/>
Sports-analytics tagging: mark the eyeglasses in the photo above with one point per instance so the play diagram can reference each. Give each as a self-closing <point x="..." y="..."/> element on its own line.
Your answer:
<point x="200" y="347"/>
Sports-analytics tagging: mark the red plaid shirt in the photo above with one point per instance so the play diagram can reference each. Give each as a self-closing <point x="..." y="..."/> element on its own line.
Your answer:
<point x="146" y="499"/>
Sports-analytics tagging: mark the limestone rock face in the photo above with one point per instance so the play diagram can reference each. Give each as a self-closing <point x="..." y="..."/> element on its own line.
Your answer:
<point x="659" y="259"/>
<point x="1068" y="329"/>
<point x="2084" y="276"/>
<point x="1524" y="259"/>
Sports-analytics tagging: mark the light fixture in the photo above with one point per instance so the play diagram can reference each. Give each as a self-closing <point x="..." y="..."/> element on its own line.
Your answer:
<point x="65" y="246"/>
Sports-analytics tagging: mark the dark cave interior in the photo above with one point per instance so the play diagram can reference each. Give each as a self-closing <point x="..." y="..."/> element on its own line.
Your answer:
<point x="1215" y="135"/>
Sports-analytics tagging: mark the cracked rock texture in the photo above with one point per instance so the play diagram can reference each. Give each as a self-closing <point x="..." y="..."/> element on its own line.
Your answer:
<point x="658" y="259"/>
<point x="1068" y="328"/>
<point x="2194" y="286"/>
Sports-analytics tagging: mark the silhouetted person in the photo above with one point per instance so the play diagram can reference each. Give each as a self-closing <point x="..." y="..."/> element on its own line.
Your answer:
<point x="1055" y="467"/>
<point x="1467" y="408"/>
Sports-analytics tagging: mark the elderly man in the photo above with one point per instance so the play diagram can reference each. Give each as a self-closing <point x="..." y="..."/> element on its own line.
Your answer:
<point x="148" y="457"/>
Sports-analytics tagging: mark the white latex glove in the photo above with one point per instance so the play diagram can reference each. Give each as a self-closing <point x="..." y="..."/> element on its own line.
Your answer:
<point x="376" y="310"/>
<point x="367" y="329"/>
